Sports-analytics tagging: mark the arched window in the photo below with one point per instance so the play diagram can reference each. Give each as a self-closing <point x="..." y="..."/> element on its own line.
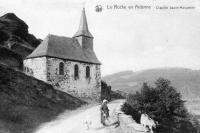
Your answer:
<point x="76" y="75"/>
<point x="87" y="72"/>
<point x="24" y="69"/>
<point x="61" y="68"/>
<point x="27" y="70"/>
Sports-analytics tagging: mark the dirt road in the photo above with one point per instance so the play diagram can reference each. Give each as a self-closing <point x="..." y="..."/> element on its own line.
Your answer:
<point x="75" y="123"/>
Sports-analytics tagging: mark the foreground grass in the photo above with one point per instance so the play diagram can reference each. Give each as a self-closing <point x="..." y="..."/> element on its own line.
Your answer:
<point x="24" y="119"/>
<point x="27" y="102"/>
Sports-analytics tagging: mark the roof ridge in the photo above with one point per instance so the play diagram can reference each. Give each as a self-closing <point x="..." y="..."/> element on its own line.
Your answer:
<point x="53" y="35"/>
<point x="47" y="47"/>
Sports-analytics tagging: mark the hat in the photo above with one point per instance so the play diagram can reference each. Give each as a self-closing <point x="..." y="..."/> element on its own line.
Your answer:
<point x="105" y="100"/>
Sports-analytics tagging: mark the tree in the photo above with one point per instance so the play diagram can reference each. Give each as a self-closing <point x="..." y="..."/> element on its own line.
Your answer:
<point x="105" y="91"/>
<point x="163" y="104"/>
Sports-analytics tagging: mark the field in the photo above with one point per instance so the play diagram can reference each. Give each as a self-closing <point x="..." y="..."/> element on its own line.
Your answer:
<point x="193" y="106"/>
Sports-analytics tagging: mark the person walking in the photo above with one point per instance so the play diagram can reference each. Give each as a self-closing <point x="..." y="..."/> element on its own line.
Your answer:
<point x="104" y="112"/>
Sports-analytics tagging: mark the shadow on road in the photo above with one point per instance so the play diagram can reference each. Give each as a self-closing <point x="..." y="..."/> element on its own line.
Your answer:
<point x="115" y="124"/>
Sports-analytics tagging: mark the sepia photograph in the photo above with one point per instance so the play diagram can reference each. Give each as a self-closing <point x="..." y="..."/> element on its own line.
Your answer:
<point x="99" y="66"/>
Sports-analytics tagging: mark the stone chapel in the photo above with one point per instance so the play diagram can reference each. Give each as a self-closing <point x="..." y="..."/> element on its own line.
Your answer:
<point x="69" y="64"/>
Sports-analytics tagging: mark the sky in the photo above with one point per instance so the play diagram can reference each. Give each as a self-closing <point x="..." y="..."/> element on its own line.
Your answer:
<point x="124" y="39"/>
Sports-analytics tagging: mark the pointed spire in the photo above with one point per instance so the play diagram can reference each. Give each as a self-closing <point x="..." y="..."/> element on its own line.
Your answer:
<point x="83" y="27"/>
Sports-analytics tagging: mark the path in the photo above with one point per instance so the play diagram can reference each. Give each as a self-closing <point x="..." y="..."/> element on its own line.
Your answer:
<point x="75" y="124"/>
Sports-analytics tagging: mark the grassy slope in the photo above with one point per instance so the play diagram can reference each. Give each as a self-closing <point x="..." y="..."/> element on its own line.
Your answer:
<point x="27" y="102"/>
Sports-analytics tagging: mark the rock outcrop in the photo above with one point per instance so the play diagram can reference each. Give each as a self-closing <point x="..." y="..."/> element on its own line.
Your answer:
<point x="14" y="35"/>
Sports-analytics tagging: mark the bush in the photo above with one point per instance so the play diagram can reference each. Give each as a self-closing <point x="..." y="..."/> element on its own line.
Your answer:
<point x="163" y="104"/>
<point x="105" y="91"/>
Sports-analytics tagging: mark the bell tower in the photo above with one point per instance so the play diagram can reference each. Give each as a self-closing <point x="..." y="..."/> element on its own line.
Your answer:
<point x="83" y="34"/>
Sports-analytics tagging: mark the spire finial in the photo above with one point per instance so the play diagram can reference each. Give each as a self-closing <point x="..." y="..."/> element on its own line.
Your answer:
<point x="84" y="5"/>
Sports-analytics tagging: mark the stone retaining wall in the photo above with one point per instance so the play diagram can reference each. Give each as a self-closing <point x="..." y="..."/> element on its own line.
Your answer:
<point x="127" y="123"/>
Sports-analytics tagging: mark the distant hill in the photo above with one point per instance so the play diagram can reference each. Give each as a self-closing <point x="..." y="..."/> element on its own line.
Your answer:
<point x="14" y="36"/>
<point x="186" y="81"/>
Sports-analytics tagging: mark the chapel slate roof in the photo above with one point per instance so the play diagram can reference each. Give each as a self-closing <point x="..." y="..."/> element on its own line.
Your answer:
<point x="64" y="48"/>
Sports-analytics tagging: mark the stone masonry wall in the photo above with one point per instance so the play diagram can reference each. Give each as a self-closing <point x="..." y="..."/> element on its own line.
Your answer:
<point x="36" y="67"/>
<point x="47" y="69"/>
<point x="87" y="88"/>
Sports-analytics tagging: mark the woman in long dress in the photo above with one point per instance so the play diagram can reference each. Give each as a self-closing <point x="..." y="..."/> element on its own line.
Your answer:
<point x="104" y="112"/>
